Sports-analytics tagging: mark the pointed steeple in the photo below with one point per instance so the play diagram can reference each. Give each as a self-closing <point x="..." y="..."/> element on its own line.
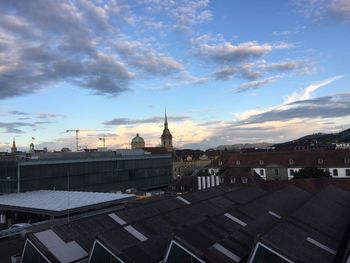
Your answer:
<point x="166" y="138"/>
<point x="13" y="148"/>
<point x="165" y="121"/>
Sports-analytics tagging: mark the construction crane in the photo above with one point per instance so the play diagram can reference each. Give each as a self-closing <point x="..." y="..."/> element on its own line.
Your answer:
<point x="103" y="139"/>
<point x="76" y="138"/>
<point x="77" y="147"/>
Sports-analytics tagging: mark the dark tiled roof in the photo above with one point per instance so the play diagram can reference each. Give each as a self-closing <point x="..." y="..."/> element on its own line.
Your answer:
<point x="324" y="218"/>
<point x="283" y="158"/>
<point x="10" y="247"/>
<point x="202" y="222"/>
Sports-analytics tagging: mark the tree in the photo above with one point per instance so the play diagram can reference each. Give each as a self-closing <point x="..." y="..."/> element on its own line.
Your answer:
<point x="311" y="172"/>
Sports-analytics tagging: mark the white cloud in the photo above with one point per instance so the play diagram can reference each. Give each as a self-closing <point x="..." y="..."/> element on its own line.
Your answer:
<point x="307" y="92"/>
<point x="232" y="53"/>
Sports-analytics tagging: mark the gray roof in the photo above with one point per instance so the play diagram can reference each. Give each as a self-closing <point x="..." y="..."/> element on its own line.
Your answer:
<point x="51" y="202"/>
<point x="218" y="225"/>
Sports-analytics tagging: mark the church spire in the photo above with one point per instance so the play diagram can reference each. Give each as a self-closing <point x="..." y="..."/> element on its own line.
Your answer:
<point x="13" y="148"/>
<point x="165" y="121"/>
<point x="166" y="138"/>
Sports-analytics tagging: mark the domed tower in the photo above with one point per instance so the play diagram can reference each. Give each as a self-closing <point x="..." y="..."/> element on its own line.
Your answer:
<point x="137" y="142"/>
<point x="167" y="138"/>
<point x="31" y="148"/>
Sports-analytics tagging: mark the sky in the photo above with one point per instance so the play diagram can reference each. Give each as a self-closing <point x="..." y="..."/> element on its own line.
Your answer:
<point x="226" y="71"/>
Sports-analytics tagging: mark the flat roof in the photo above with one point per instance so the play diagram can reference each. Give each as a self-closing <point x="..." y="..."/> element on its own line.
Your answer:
<point x="59" y="202"/>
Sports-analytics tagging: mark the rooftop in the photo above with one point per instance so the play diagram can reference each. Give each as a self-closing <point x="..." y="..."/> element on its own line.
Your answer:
<point x="220" y="225"/>
<point x="59" y="202"/>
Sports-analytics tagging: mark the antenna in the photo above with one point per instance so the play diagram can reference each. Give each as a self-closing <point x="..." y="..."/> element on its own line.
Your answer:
<point x="68" y="211"/>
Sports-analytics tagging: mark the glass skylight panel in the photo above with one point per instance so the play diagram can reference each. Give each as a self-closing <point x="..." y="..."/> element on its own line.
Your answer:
<point x="275" y="215"/>
<point x="184" y="200"/>
<point x="227" y="252"/>
<point x="235" y="219"/>
<point x="117" y="219"/>
<point x="320" y="245"/>
<point x="135" y="233"/>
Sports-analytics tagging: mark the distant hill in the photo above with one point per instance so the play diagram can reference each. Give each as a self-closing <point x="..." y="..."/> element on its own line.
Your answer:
<point x="241" y="146"/>
<point x="318" y="138"/>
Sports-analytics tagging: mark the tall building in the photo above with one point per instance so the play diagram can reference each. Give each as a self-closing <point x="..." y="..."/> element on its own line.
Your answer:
<point x="167" y="138"/>
<point x="13" y="148"/>
<point x="137" y="142"/>
<point x="85" y="171"/>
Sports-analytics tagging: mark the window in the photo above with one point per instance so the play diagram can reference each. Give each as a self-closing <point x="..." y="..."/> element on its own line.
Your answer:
<point x="244" y="180"/>
<point x="320" y="161"/>
<point x="276" y="171"/>
<point x="262" y="172"/>
<point x="232" y="180"/>
<point x="263" y="254"/>
<point x="347" y="160"/>
<point x="178" y="254"/>
<point x="101" y="254"/>
<point x="291" y="161"/>
<point x="291" y="172"/>
<point x="238" y="162"/>
<point x="347" y="172"/>
<point x="261" y="162"/>
<point x="335" y="172"/>
<point x="32" y="254"/>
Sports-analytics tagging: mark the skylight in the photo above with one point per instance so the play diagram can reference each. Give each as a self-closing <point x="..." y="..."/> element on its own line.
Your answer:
<point x="235" y="219"/>
<point x="117" y="219"/>
<point x="227" y="252"/>
<point x="184" y="200"/>
<point x="320" y="245"/>
<point x="135" y="233"/>
<point x="275" y="215"/>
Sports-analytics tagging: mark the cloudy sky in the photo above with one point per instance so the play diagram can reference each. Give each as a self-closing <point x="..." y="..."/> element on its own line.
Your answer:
<point x="226" y="71"/>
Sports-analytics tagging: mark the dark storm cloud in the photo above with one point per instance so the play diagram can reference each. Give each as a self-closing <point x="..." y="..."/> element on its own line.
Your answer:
<point x="14" y="127"/>
<point x="125" y="121"/>
<point x="44" y="43"/>
<point x="334" y="106"/>
<point x="40" y="115"/>
<point x="255" y="71"/>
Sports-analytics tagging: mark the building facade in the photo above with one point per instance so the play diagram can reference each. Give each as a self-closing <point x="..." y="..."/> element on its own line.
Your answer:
<point x="85" y="171"/>
<point x="282" y="165"/>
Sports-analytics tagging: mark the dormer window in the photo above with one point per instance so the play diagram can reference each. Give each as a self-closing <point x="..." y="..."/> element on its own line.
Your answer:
<point x="261" y="162"/>
<point x="238" y="162"/>
<point x="320" y="161"/>
<point x="347" y="160"/>
<point x="291" y="161"/>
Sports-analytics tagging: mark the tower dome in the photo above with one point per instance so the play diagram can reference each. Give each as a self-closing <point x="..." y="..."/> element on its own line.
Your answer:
<point x="137" y="142"/>
<point x="31" y="148"/>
